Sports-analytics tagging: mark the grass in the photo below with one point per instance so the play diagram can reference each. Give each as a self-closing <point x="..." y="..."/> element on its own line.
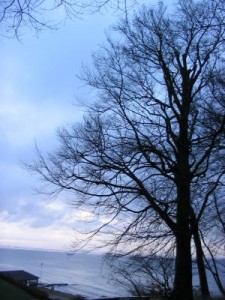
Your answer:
<point x="13" y="291"/>
<point x="9" y="291"/>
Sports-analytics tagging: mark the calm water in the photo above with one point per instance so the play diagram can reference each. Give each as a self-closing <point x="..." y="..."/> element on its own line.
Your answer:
<point x="82" y="272"/>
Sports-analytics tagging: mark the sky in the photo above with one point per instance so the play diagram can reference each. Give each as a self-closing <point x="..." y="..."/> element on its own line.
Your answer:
<point x="39" y="93"/>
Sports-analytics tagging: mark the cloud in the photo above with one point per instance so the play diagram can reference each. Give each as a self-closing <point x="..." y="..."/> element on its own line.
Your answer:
<point x="22" y="235"/>
<point x="33" y="210"/>
<point x="36" y="225"/>
<point x="44" y="226"/>
<point x="38" y="87"/>
<point x="74" y="216"/>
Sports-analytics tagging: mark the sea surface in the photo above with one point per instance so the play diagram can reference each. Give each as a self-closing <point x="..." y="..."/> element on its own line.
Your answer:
<point x="84" y="274"/>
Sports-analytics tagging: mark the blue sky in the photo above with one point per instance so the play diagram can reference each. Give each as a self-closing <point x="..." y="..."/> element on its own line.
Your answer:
<point x="39" y="93"/>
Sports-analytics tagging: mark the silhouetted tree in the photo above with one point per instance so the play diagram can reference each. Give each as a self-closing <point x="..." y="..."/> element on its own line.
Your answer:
<point x="39" y="14"/>
<point x="210" y="231"/>
<point x="141" y="275"/>
<point x="145" y="159"/>
<point x="213" y="237"/>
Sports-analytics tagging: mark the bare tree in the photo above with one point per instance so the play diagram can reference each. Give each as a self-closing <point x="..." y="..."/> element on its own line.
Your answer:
<point x="148" y="143"/>
<point x="213" y="238"/>
<point x="145" y="276"/>
<point x="141" y="275"/>
<point x="15" y="15"/>
<point x="210" y="231"/>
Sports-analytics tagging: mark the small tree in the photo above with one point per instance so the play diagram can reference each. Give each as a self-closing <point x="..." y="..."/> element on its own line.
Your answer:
<point x="150" y="275"/>
<point x="149" y="141"/>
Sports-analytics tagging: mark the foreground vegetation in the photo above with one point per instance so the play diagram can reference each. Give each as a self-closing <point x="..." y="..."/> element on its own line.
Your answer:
<point x="14" y="290"/>
<point x="10" y="291"/>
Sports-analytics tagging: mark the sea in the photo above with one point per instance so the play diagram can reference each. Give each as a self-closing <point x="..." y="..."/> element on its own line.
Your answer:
<point x="84" y="274"/>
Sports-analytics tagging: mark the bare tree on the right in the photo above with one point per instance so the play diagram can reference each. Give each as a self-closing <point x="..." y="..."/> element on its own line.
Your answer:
<point x="146" y="159"/>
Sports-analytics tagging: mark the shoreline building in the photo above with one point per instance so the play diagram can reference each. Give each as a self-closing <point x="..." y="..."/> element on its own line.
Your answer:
<point x="24" y="277"/>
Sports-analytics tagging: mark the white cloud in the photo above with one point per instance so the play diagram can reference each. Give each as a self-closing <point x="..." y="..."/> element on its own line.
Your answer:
<point x="3" y="215"/>
<point x="54" y="206"/>
<point x="73" y="216"/>
<point x="21" y="235"/>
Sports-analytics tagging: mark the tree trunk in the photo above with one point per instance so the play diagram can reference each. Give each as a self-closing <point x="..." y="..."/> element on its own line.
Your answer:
<point x="183" y="288"/>
<point x="183" y="268"/>
<point x="183" y="265"/>
<point x="201" y="266"/>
